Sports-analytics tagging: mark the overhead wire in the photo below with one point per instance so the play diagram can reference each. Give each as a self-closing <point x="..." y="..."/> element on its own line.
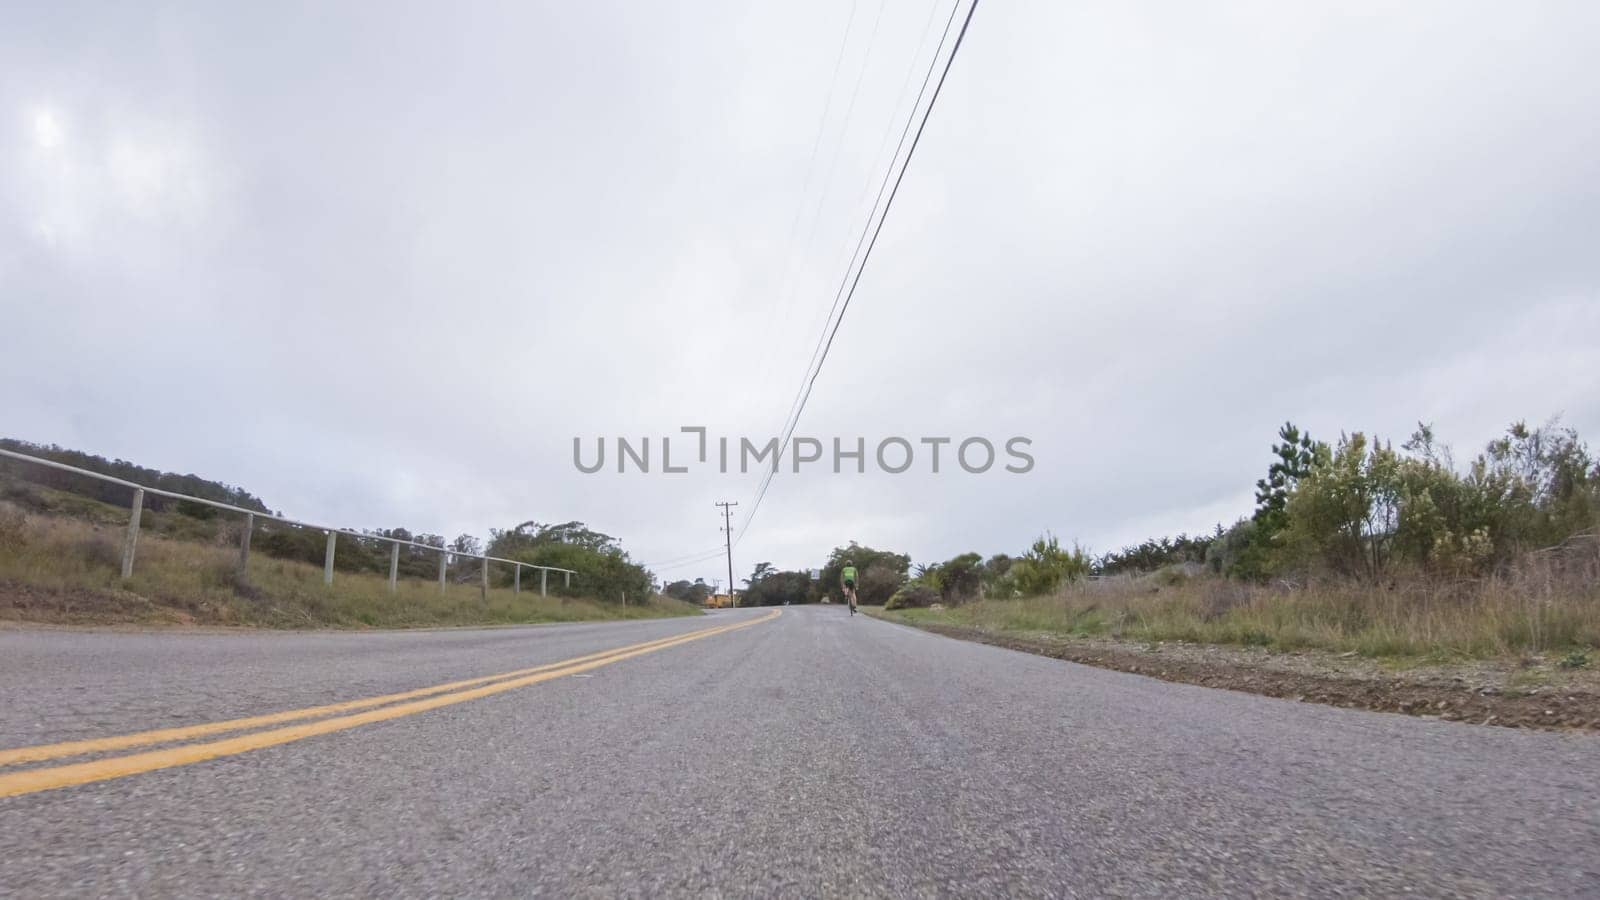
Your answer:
<point x="833" y="162"/>
<point x="889" y="168"/>
<point x="786" y="289"/>
<point x="842" y="298"/>
<point x="665" y="567"/>
<point x="687" y="557"/>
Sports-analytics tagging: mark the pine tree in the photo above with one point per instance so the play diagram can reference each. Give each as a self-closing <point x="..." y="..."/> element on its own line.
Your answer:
<point x="1296" y="454"/>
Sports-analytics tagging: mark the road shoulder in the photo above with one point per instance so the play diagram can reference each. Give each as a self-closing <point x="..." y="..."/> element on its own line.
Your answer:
<point x="1531" y="693"/>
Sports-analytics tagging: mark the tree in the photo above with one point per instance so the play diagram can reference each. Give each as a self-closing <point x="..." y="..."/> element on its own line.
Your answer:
<point x="1546" y="483"/>
<point x="1347" y="510"/>
<point x="994" y="569"/>
<point x="1227" y="547"/>
<point x="1155" y="553"/>
<point x="762" y="570"/>
<point x="533" y="534"/>
<point x="770" y="587"/>
<point x="604" y="570"/>
<point x="694" y="592"/>
<point x="1295" y="456"/>
<point x="1531" y="489"/>
<point x="882" y="572"/>
<point x="956" y="579"/>
<point x="116" y="494"/>
<point x="879" y="580"/>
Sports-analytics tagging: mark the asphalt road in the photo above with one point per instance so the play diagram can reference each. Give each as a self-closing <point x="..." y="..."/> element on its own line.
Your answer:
<point x="810" y="754"/>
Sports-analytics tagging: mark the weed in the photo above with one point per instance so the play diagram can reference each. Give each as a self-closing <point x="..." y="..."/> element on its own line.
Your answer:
<point x="99" y="551"/>
<point x="13" y="525"/>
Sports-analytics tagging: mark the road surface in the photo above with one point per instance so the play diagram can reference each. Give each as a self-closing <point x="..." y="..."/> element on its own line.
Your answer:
<point x="802" y="755"/>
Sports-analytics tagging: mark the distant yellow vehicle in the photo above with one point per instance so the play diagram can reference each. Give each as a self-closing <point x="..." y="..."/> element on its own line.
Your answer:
<point x="718" y="601"/>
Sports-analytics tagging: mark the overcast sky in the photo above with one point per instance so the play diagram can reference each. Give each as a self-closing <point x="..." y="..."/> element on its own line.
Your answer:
<point x="380" y="264"/>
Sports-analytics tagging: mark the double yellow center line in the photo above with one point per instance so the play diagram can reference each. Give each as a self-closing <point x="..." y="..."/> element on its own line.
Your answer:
<point x="324" y="720"/>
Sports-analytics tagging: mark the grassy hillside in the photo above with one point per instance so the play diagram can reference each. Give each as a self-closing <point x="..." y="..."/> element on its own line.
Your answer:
<point x="60" y="558"/>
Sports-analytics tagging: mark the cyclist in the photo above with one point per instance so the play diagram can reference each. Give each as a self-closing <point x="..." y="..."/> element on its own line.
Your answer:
<point x="848" y="579"/>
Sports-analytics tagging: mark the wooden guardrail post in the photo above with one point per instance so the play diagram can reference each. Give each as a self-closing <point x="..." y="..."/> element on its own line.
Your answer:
<point x="132" y="539"/>
<point x="483" y="593"/>
<point x="327" y="559"/>
<point x="544" y="580"/>
<point x="516" y="580"/>
<point x="394" y="567"/>
<point x="244" y="542"/>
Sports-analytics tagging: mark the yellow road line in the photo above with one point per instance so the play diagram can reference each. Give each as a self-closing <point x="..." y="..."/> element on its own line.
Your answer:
<point x="42" y="752"/>
<point x="30" y="781"/>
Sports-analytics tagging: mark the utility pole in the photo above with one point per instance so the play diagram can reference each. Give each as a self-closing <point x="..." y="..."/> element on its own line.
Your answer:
<point x="727" y="535"/>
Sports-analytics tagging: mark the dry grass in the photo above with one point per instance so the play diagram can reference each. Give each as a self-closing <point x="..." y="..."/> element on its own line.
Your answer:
<point x="56" y="569"/>
<point x="1549" y="604"/>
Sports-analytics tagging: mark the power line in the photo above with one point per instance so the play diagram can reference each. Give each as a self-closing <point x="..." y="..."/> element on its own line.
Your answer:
<point x="786" y="428"/>
<point x="821" y="360"/>
<point x="900" y="95"/>
<point x="833" y="162"/>
<point x="842" y="298"/>
<point x="888" y="129"/>
<point x="684" y="560"/>
<point x="693" y="562"/>
<point x="786" y="291"/>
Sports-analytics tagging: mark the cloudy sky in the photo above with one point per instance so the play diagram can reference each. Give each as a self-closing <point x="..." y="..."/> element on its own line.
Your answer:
<point x="381" y="264"/>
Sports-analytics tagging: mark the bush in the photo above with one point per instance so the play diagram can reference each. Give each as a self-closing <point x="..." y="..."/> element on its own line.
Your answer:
<point x="914" y="595"/>
<point x="1171" y="576"/>
<point x="1363" y="508"/>
<point x="1044" y="569"/>
<point x="879" y="582"/>
<point x="1226" y="553"/>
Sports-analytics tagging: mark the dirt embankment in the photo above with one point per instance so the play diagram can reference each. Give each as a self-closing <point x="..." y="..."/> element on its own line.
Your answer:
<point x="1532" y="693"/>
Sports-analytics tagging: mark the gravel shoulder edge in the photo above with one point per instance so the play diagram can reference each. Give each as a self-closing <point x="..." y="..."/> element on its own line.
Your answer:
<point x="1476" y="695"/>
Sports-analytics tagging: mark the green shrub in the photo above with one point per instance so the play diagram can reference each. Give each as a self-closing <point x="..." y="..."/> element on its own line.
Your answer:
<point x="1171" y="576"/>
<point x="913" y="595"/>
<point x="1044" y="569"/>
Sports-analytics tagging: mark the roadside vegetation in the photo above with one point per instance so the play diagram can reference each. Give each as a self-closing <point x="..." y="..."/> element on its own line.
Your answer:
<point x="1355" y="546"/>
<point x="60" y="554"/>
<point x="1525" y="612"/>
<point x="66" y="570"/>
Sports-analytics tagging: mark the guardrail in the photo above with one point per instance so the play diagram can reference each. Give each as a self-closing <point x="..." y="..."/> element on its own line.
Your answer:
<point x="131" y="541"/>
